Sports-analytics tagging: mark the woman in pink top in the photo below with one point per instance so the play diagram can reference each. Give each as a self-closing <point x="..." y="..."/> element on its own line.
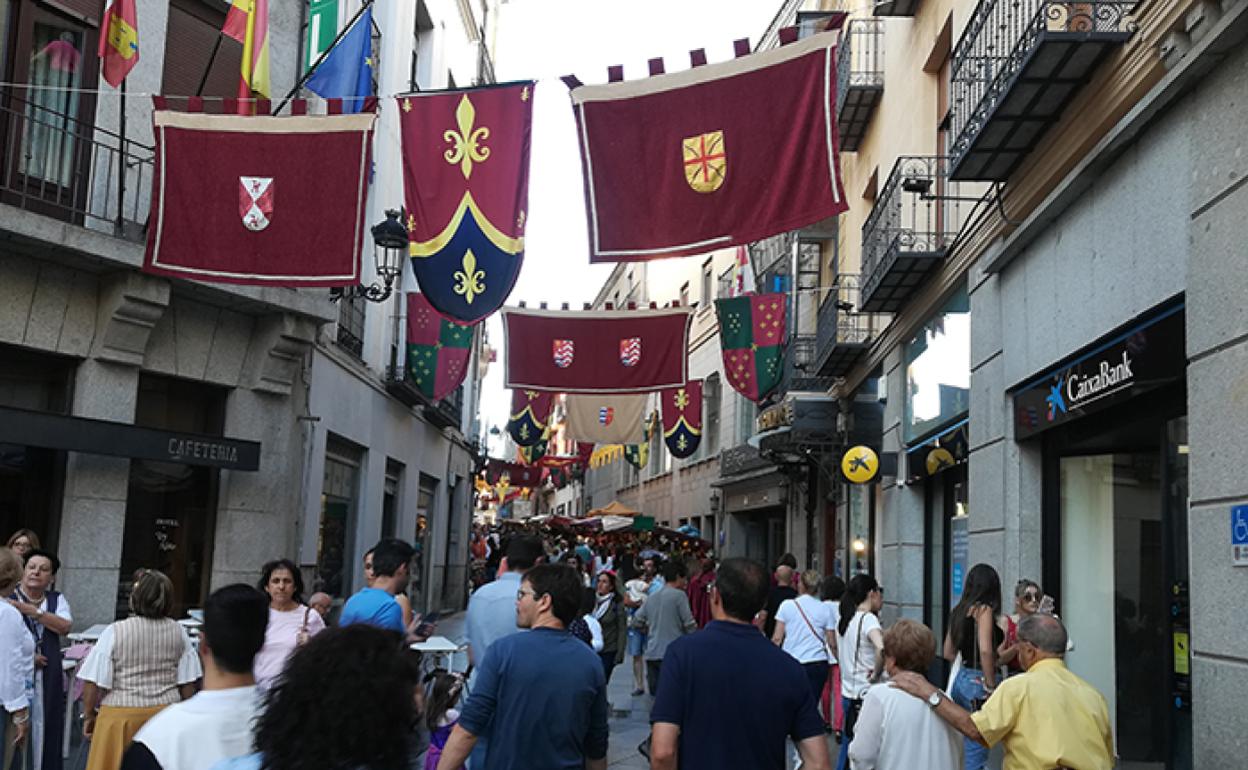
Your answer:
<point x="291" y="622"/>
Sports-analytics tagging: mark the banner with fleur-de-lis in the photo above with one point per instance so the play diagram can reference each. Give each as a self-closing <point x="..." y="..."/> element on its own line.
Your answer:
<point x="466" y="182"/>
<point x="682" y="418"/>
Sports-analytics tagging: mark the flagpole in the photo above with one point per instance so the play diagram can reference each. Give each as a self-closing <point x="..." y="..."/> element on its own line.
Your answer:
<point x="121" y="163"/>
<point x="312" y="70"/>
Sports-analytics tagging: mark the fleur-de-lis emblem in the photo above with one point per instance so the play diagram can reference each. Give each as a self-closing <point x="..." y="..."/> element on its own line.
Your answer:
<point x="471" y="280"/>
<point x="682" y="399"/>
<point x="681" y="443"/>
<point x="465" y="149"/>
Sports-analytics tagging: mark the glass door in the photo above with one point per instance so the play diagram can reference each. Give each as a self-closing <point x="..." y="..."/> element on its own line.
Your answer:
<point x="1123" y="524"/>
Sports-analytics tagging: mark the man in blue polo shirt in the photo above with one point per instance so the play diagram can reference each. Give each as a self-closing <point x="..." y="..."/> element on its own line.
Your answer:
<point x="541" y="696"/>
<point x="376" y="606"/>
<point x="727" y="696"/>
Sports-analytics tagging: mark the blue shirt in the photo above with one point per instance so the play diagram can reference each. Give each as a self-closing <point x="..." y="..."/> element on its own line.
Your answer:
<point x="542" y="699"/>
<point x="492" y="614"/>
<point x="736" y="697"/>
<point x="374" y="607"/>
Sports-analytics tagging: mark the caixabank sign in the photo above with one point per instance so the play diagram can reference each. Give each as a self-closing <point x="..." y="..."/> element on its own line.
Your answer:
<point x="1146" y="355"/>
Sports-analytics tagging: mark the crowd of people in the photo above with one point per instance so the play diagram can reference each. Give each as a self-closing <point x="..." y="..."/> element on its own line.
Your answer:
<point x="742" y="663"/>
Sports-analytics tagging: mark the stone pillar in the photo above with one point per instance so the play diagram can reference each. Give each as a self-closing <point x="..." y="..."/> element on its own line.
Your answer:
<point x="93" y="512"/>
<point x="258" y="512"/>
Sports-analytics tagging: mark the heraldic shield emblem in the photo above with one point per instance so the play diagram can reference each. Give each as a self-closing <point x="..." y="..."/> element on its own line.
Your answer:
<point x="706" y="163"/>
<point x="630" y="351"/>
<point x="563" y="353"/>
<point x="255" y="201"/>
<point x="606" y="415"/>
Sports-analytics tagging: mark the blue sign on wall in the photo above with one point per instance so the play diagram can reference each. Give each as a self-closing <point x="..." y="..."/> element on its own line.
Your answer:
<point x="1239" y="535"/>
<point x="959" y="553"/>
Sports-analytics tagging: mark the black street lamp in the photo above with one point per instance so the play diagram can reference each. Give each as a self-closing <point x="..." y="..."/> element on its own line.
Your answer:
<point x="390" y="243"/>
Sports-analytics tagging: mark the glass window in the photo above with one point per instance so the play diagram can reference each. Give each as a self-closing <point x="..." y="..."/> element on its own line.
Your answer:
<point x="49" y="142"/>
<point x="351" y="324"/>
<point x="684" y="294"/>
<point x="938" y="370"/>
<point x="706" y="284"/>
<point x="337" y="504"/>
<point x="746" y="412"/>
<point x="171" y="507"/>
<point x="710" y="422"/>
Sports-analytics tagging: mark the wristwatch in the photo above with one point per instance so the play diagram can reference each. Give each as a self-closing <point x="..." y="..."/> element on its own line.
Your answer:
<point x="934" y="699"/>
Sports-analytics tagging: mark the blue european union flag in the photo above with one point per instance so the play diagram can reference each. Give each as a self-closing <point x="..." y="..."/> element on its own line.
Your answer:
<point x="347" y="71"/>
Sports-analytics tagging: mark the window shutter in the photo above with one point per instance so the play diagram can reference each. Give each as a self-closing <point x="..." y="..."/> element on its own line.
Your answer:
<point x="192" y="34"/>
<point x="89" y="11"/>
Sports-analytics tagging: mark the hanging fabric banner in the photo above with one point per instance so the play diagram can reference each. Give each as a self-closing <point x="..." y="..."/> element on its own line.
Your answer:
<point x="610" y="351"/>
<point x="752" y="332"/>
<point x="437" y="349"/>
<point x="605" y="418"/>
<point x="516" y="475"/>
<point x="682" y="418"/>
<point x="530" y="409"/>
<point x="532" y="455"/>
<point x="235" y="200"/>
<point x="637" y="455"/>
<point x="467" y="193"/>
<point x="715" y="156"/>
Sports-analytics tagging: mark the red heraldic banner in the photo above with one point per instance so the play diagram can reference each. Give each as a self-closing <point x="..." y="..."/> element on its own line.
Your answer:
<point x="437" y="349"/>
<point x="715" y="156"/>
<point x="466" y="177"/>
<point x="611" y="351"/>
<point x="516" y="475"/>
<point x="264" y="201"/>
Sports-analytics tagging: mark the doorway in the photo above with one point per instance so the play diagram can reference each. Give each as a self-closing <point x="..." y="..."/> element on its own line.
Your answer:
<point x="1124" y="583"/>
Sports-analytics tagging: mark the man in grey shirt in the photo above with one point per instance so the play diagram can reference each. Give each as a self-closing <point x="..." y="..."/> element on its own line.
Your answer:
<point x="667" y="616"/>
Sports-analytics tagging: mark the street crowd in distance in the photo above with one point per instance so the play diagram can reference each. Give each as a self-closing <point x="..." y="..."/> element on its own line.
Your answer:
<point x="742" y="665"/>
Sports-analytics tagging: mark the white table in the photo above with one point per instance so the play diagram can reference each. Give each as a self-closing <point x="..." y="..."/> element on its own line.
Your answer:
<point x="92" y="634"/>
<point x="440" y="647"/>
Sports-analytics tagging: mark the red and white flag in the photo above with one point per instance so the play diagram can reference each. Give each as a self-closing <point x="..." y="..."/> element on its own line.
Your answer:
<point x="235" y="200"/>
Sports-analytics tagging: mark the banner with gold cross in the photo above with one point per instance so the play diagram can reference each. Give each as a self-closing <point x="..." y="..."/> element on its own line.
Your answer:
<point x="682" y="418"/>
<point x="466" y="183"/>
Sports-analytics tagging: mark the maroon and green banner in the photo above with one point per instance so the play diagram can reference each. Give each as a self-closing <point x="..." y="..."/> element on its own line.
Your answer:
<point x="438" y="350"/>
<point x="752" y="332"/>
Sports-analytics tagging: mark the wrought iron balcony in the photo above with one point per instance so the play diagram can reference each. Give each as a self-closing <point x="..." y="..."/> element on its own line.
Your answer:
<point x="54" y="164"/>
<point x="770" y="256"/>
<point x="859" y="79"/>
<point x="447" y="413"/>
<point x="916" y="218"/>
<point x="1016" y="67"/>
<point x="844" y="335"/>
<point x="801" y="368"/>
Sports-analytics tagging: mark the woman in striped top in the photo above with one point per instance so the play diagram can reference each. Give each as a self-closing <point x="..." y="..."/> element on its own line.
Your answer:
<point x="138" y="666"/>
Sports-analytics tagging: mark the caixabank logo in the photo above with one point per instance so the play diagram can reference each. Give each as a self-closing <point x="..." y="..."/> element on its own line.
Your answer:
<point x="1076" y="388"/>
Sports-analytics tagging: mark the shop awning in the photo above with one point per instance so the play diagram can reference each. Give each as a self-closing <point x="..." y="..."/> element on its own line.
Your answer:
<point x="614" y="508"/>
<point x="120" y="439"/>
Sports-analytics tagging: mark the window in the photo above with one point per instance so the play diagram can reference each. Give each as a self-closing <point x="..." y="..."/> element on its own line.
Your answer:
<point x="657" y="450"/>
<point x="725" y="288"/>
<point x="684" y="295"/>
<point x="351" y="324"/>
<point x="710" y="423"/>
<point x="390" y="498"/>
<point x="194" y="32"/>
<point x="745" y="419"/>
<point x="706" y="297"/>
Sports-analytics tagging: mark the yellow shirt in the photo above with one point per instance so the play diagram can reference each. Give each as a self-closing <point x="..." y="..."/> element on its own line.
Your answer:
<point x="1048" y="718"/>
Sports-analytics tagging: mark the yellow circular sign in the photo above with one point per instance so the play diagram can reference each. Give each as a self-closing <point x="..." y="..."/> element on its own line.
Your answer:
<point x="937" y="460"/>
<point x="860" y="464"/>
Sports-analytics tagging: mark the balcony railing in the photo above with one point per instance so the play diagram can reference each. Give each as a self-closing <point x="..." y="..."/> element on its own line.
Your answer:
<point x="801" y="368"/>
<point x="56" y="165"/>
<point x="1016" y="67"/>
<point x="769" y="254"/>
<point x="844" y="334"/>
<point x="859" y="79"/>
<point x="447" y="413"/>
<point x="916" y="218"/>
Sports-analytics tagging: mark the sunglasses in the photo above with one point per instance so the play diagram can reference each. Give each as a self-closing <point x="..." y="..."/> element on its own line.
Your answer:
<point x="1031" y="596"/>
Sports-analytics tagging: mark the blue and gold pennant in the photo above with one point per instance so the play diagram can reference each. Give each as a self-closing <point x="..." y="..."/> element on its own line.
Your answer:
<point x="467" y="194"/>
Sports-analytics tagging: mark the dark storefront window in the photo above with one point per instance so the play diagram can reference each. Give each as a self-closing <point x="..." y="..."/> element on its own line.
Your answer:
<point x="31" y="478"/>
<point x="338" y="496"/>
<point x="171" y="507"/>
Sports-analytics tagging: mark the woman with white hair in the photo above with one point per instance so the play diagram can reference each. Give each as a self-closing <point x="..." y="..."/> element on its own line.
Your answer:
<point x="17" y="659"/>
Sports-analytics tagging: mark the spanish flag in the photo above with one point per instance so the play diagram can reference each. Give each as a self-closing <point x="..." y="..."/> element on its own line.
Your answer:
<point x="248" y="22"/>
<point x="119" y="43"/>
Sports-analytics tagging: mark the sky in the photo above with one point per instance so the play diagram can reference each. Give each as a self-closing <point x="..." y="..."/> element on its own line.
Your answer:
<point x="544" y="40"/>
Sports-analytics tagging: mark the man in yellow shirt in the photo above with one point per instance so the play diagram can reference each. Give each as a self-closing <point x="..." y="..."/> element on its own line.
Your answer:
<point x="1047" y="717"/>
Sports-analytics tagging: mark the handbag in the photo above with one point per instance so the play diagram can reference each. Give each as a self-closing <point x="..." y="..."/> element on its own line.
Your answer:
<point x="827" y="651"/>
